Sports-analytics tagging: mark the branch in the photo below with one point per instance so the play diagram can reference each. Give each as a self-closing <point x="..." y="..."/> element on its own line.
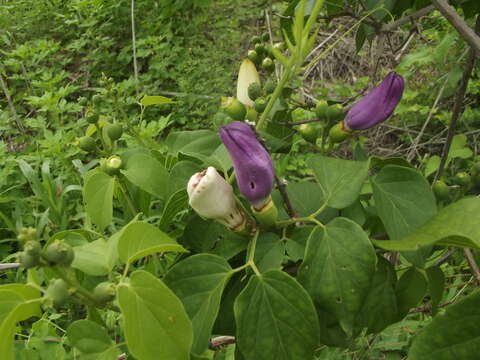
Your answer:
<point x="473" y="264"/>
<point x="458" y="23"/>
<point x="220" y="341"/>
<point x="9" y="266"/>
<point x="408" y="18"/>
<point x="458" y="105"/>
<point x="3" y="84"/>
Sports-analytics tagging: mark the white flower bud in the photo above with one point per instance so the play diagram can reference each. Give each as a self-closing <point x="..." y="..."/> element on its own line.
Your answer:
<point x="212" y="198"/>
<point x="246" y="75"/>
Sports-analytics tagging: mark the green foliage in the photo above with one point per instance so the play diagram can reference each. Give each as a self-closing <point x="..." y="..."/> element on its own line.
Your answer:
<point x="130" y="268"/>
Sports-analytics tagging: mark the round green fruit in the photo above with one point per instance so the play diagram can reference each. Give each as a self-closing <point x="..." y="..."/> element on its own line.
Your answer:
<point x="233" y="108"/>
<point x="335" y="112"/>
<point x="270" y="86"/>
<point x="113" y="165"/>
<point x="260" y="49"/>
<point x="265" y="36"/>
<point x="260" y="105"/>
<point x="462" y="179"/>
<point x="256" y="39"/>
<point x="97" y="99"/>
<point x="86" y="143"/>
<point x="253" y="56"/>
<point x="114" y="131"/>
<point x="321" y="109"/>
<point x="309" y="132"/>
<point x="441" y="190"/>
<point x="104" y="292"/>
<point x="28" y="260"/>
<point x="268" y="64"/>
<point x="91" y="118"/>
<point x="32" y="247"/>
<point x="254" y="91"/>
<point x="252" y="115"/>
<point x="57" y="292"/>
<point x="59" y="253"/>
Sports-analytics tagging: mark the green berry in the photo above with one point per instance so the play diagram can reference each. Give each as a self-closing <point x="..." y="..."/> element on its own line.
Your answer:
<point x="265" y="36"/>
<point x="86" y="143"/>
<point x="97" y="99"/>
<point x="252" y="115"/>
<point x="256" y="39"/>
<point x="338" y="133"/>
<point x="104" y="292"/>
<point x="335" y="112"/>
<point x="91" y="118"/>
<point x="462" y="179"/>
<point x="32" y="247"/>
<point x="260" y="104"/>
<point x="268" y="64"/>
<point x="270" y="86"/>
<point x="253" y="56"/>
<point x="59" y="253"/>
<point x="309" y="132"/>
<point x="254" y="91"/>
<point x="114" y="131"/>
<point x="321" y="109"/>
<point x="233" y="108"/>
<point x="113" y="165"/>
<point x="441" y="190"/>
<point x="28" y="260"/>
<point x="57" y="292"/>
<point x="260" y="49"/>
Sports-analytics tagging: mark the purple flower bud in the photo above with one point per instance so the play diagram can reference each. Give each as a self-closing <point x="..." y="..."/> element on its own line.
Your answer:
<point x="377" y="105"/>
<point x="252" y="163"/>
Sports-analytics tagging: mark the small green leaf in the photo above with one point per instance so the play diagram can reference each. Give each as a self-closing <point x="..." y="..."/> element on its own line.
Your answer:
<point x="199" y="282"/>
<point x="96" y="258"/>
<point x="454" y="225"/>
<point x="177" y="202"/>
<point x="155" y="100"/>
<point x="147" y="173"/>
<point x="98" y="196"/>
<point x="453" y="335"/>
<point x="210" y="237"/>
<point x="410" y="290"/>
<point x="139" y="239"/>
<point x="88" y="337"/>
<point x="275" y="319"/>
<point x="338" y="269"/>
<point x="156" y="324"/>
<point x="339" y="180"/>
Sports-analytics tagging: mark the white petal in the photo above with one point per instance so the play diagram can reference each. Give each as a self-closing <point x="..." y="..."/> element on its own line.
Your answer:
<point x="246" y="75"/>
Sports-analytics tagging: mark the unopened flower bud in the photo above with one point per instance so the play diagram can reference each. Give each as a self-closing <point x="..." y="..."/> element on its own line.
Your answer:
<point x="377" y="105"/>
<point x="246" y="75"/>
<point x="252" y="163"/>
<point x="212" y="198"/>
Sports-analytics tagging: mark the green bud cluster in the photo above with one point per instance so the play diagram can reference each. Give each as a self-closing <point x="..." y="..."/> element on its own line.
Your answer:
<point x="104" y="292"/>
<point x="57" y="293"/>
<point x="58" y="253"/>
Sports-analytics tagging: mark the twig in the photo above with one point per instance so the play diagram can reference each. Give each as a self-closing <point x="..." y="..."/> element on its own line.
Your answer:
<point x="458" y="105"/>
<point x="9" y="266"/>
<point x="408" y="18"/>
<point x="411" y="154"/>
<point x="282" y="188"/>
<point x="428" y="308"/>
<point x="444" y="258"/>
<point x="10" y="103"/>
<point x="473" y="264"/>
<point x="459" y="24"/>
<point x="220" y="341"/>
<point x="134" y="47"/>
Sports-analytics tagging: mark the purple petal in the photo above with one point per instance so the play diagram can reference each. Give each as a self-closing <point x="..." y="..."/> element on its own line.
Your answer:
<point x="377" y="105"/>
<point x="252" y="163"/>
